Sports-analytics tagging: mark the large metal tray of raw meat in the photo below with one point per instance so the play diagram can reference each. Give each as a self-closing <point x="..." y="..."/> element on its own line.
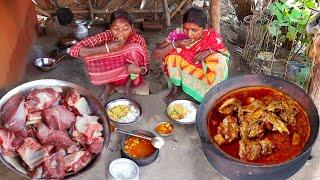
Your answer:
<point x="94" y="103"/>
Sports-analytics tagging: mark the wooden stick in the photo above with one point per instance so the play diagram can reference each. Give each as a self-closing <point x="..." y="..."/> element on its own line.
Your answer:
<point x="155" y="8"/>
<point x="91" y="10"/>
<point x="43" y="12"/>
<point x="178" y="8"/>
<point x="166" y="12"/>
<point x="215" y="14"/>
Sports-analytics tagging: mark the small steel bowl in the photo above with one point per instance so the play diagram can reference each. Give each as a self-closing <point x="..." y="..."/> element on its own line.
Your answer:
<point x="45" y="64"/>
<point x="190" y="117"/>
<point x="135" y="113"/>
<point x="117" y="166"/>
<point x="162" y="134"/>
<point x="140" y="161"/>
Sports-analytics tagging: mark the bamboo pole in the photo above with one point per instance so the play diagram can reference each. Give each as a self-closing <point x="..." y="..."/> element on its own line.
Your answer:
<point x="43" y="12"/>
<point x="91" y="10"/>
<point x="166" y="12"/>
<point x="155" y="8"/>
<point x="134" y="11"/>
<point x="314" y="86"/>
<point x="178" y="8"/>
<point x="215" y="14"/>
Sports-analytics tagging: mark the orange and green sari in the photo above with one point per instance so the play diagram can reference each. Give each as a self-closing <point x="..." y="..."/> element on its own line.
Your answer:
<point x="197" y="79"/>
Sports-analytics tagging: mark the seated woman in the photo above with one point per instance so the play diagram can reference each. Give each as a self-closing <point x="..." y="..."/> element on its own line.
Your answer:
<point x="194" y="57"/>
<point x="115" y="57"/>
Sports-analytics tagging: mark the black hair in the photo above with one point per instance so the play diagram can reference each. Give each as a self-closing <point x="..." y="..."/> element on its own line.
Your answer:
<point x="65" y="16"/>
<point x="121" y="14"/>
<point x="195" y="15"/>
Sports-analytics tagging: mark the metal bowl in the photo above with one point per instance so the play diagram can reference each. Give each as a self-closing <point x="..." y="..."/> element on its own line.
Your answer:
<point x="117" y="166"/>
<point x="94" y="103"/>
<point x="140" y="161"/>
<point x="133" y="116"/>
<point x="236" y="169"/>
<point x="162" y="134"/>
<point x="45" y="64"/>
<point x="190" y="117"/>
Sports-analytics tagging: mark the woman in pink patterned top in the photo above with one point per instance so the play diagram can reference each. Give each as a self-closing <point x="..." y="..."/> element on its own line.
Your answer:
<point x="116" y="57"/>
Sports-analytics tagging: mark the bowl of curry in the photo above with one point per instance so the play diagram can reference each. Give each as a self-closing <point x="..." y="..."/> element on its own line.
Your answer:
<point x="257" y="126"/>
<point x="139" y="150"/>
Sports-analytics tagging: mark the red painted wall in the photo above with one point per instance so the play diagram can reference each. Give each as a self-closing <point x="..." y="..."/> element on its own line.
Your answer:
<point x="17" y="31"/>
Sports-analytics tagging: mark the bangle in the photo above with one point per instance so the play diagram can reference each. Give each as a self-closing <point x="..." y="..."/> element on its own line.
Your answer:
<point x="172" y="42"/>
<point x="145" y="70"/>
<point x="107" y="48"/>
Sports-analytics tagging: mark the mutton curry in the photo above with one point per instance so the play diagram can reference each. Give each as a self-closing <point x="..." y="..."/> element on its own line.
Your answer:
<point x="259" y="125"/>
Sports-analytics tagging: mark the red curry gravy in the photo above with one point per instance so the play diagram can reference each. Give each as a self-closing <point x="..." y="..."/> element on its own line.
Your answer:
<point x="284" y="149"/>
<point x="138" y="148"/>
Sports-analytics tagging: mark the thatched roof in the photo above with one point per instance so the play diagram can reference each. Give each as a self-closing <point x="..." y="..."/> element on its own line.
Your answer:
<point x="108" y="5"/>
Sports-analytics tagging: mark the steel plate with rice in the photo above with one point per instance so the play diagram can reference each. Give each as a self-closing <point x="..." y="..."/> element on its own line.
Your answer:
<point x="182" y="111"/>
<point x="124" y="111"/>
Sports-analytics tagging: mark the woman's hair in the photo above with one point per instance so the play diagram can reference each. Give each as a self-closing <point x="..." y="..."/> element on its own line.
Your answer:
<point x="121" y="14"/>
<point x="195" y="15"/>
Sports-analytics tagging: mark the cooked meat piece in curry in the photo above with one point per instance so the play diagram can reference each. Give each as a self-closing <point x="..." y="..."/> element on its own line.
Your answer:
<point x="249" y="150"/>
<point x="251" y="130"/>
<point x="229" y="128"/>
<point x="229" y="106"/>
<point x="278" y="125"/>
<point x="266" y="146"/>
<point x="286" y="110"/>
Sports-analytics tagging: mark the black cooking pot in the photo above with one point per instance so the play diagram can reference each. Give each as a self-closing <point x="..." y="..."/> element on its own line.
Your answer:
<point x="140" y="161"/>
<point x="236" y="169"/>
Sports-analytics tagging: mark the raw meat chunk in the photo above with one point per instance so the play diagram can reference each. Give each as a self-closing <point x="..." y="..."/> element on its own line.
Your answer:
<point x="77" y="104"/>
<point x="58" y="117"/>
<point x="34" y="118"/>
<point x="40" y="99"/>
<point x="54" y="165"/>
<point x="59" y="139"/>
<point x="74" y="148"/>
<point x="32" y="153"/>
<point x="14" y="115"/>
<point x="89" y="127"/>
<point x="76" y="161"/>
<point x="6" y="139"/>
<point x="72" y="97"/>
<point x="96" y="146"/>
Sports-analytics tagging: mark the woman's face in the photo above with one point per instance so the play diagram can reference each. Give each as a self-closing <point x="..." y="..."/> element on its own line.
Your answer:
<point x="121" y="29"/>
<point x="193" y="31"/>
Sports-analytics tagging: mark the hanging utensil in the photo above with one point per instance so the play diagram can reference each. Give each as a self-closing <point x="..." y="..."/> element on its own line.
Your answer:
<point x="156" y="142"/>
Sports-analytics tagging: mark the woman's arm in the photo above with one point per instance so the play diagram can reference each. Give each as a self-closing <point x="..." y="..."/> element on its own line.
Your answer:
<point x="106" y="48"/>
<point x="91" y="45"/>
<point x="161" y="50"/>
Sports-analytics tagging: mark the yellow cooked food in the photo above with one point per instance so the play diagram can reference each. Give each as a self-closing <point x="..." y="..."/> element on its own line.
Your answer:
<point x="118" y="112"/>
<point x="178" y="111"/>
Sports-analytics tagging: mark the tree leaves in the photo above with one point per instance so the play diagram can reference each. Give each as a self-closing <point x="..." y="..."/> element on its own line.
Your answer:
<point x="291" y="18"/>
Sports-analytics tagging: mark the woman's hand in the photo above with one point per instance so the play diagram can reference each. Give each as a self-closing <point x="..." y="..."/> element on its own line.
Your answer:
<point x="115" y="45"/>
<point x="133" y="69"/>
<point x="201" y="56"/>
<point x="182" y="43"/>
